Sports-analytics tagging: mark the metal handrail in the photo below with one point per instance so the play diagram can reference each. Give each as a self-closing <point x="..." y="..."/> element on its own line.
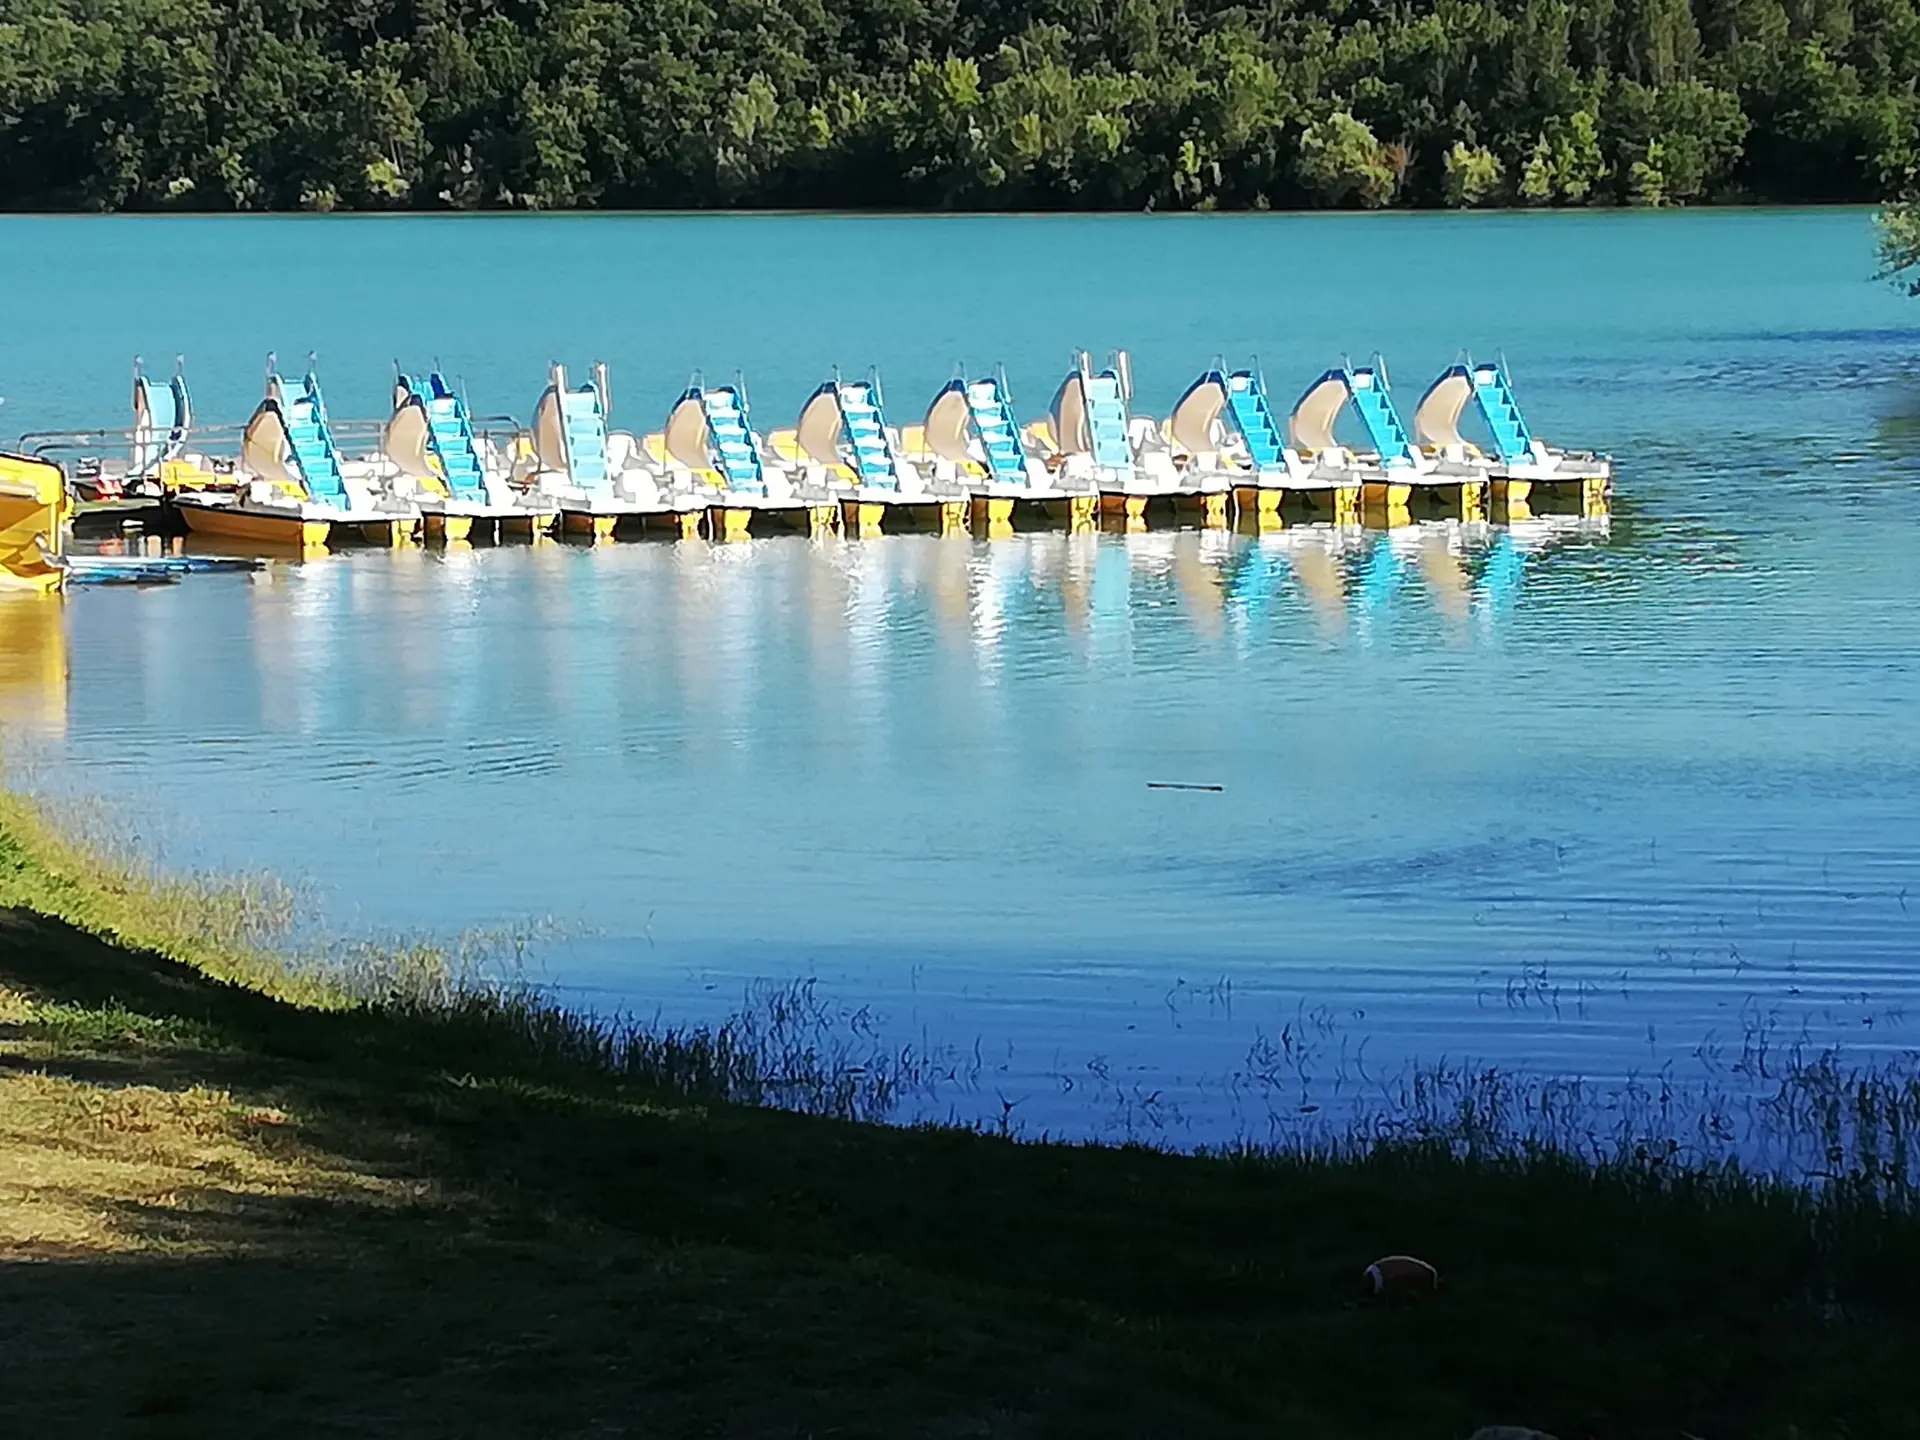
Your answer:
<point x="356" y="429"/>
<point x="38" y="442"/>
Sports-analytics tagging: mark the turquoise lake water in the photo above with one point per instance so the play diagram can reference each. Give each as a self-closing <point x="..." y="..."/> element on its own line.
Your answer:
<point x="1577" y="798"/>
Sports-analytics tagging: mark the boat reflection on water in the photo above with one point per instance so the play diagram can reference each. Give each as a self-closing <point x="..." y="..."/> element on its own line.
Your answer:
<point x="1446" y="578"/>
<point x="1108" y="589"/>
<point x="890" y="639"/>
<point x="1109" y="593"/>
<point x="33" y="665"/>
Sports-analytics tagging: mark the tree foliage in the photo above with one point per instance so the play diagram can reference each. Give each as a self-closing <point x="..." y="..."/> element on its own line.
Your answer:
<point x="1473" y="175"/>
<point x="1900" y="244"/>
<point x="1341" y="163"/>
<point x="1044" y="104"/>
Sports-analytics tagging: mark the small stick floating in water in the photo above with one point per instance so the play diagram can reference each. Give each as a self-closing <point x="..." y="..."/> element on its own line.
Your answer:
<point x="1180" y="785"/>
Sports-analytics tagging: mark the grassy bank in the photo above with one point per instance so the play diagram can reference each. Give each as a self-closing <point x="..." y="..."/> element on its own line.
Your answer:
<point x="235" y="1196"/>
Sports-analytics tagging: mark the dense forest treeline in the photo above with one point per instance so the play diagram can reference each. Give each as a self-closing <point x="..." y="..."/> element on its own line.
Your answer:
<point x="1096" y="104"/>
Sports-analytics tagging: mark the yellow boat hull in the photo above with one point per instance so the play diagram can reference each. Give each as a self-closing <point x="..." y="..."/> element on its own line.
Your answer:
<point x="228" y="523"/>
<point x="33" y="513"/>
<point x="864" y="518"/>
<point x="1392" y="496"/>
<point x="1211" y="505"/>
<point x="1076" y="512"/>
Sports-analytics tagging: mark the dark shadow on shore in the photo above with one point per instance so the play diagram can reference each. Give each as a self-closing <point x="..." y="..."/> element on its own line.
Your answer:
<point x="567" y="1253"/>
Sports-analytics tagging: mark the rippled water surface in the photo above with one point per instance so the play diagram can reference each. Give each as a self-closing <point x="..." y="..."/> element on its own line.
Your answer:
<point x="1585" y="797"/>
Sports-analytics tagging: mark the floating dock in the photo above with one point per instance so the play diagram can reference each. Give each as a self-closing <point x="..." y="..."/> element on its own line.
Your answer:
<point x="291" y="478"/>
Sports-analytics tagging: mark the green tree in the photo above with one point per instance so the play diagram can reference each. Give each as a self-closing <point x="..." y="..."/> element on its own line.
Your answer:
<point x="1340" y="160"/>
<point x="1698" y="131"/>
<point x="245" y="104"/>
<point x="1473" y="175"/>
<point x="1899" y="231"/>
<point x="1702" y="135"/>
<point x="1536" y="174"/>
<point x="1566" y="162"/>
<point x="1647" y="177"/>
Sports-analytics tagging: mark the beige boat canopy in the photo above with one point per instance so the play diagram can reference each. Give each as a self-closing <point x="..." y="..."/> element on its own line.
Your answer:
<point x="687" y="437"/>
<point x="264" y="447"/>
<point x="550" y="420"/>
<point x="1313" y="418"/>
<point x="1437" y="421"/>
<point x="549" y="428"/>
<point x="405" y="440"/>
<point x="1194" y="424"/>
<point x="948" y="421"/>
<point x="1071" y="433"/>
<point x="818" y="430"/>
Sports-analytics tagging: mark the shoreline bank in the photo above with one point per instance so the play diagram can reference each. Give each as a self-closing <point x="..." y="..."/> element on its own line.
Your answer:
<point x="238" y="1194"/>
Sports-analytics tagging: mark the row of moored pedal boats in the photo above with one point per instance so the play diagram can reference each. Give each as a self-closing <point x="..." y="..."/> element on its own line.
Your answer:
<point x="293" y="474"/>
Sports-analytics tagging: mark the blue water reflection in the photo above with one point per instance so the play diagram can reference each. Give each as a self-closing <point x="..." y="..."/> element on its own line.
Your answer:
<point x="1573" y="796"/>
<point x="919" y="768"/>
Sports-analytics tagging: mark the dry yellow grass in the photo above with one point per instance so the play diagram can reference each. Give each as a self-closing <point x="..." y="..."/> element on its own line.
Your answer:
<point x="101" y="1170"/>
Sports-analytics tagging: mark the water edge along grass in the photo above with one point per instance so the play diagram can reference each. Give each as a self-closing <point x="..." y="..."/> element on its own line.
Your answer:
<point x="239" y="1194"/>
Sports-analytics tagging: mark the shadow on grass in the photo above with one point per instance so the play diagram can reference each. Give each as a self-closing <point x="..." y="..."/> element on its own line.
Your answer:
<point x="52" y="960"/>
<point x="572" y="1246"/>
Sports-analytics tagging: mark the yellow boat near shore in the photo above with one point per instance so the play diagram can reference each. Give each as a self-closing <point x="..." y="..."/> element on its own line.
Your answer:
<point x="33" y="514"/>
